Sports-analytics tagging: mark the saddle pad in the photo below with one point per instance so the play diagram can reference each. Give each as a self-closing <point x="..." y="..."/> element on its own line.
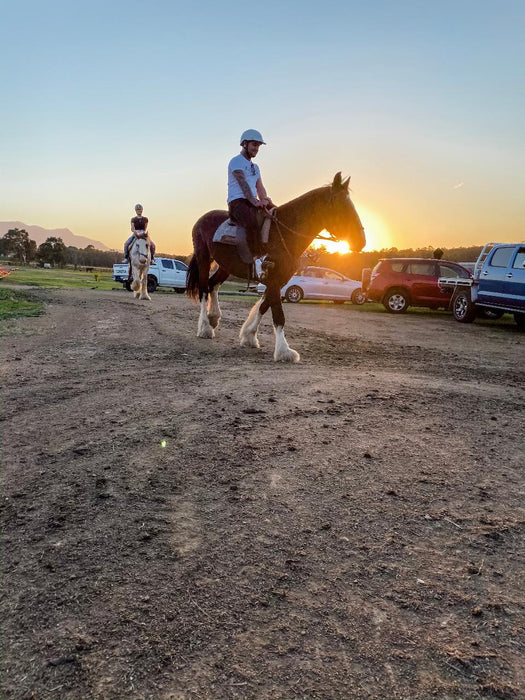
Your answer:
<point x="229" y="233"/>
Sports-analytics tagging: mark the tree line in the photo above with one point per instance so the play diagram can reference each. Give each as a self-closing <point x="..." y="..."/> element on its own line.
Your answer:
<point x="17" y="246"/>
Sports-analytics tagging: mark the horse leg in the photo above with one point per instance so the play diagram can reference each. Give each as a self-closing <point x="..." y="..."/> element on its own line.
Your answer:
<point x="248" y="332"/>
<point x="283" y="352"/>
<point x="204" y="328"/>
<point x="136" y="283"/>
<point x="214" y="310"/>
<point x="144" y="290"/>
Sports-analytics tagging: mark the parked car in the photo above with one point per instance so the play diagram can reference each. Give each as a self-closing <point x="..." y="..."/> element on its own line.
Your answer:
<point x="497" y="286"/>
<point x="320" y="283"/>
<point x="398" y="283"/>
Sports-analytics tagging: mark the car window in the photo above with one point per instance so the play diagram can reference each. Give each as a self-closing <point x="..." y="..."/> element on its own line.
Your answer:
<point x="168" y="264"/>
<point x="180" y="265"/>
<point x="421" y="268"/>
<point x="451" y="271"/>
<point x="519" y="262"/>
<point x="331" y="275"/>
<point x="501" y="257"/>
<point x="397" y="266"/>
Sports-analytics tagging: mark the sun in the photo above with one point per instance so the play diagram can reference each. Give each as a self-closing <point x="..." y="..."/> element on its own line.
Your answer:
<point x="341" y="247"/>
<point x="377" y="235"/>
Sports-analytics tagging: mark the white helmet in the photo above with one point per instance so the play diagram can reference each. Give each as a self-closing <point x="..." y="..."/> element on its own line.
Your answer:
<point x="252" y="135"/>
<point x="138" y="206"/>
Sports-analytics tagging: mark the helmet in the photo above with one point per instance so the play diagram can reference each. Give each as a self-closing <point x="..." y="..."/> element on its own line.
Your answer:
<point x="252" y="135"/>
<point x="138" y="206"/>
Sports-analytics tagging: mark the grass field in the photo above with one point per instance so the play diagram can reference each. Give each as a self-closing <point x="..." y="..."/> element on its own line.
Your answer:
<point x="56" y="278"/>
<point x="14" y="302"/>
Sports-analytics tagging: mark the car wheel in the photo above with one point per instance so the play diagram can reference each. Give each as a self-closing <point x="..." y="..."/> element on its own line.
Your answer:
<point x="358" y="297"/>
<point x="395" y="301"/>
<point x="520" y="321"/>
<point x="152" y="284"/>
<point x="462" y="307"/>
<point x="493" y="314"/>
<point x="127" y="285"/>
<point x="294" y="294"/>
<point x="180" y="290"/>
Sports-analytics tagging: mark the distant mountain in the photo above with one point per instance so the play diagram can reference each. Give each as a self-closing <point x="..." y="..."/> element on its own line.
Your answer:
<point x="39" y="234"/>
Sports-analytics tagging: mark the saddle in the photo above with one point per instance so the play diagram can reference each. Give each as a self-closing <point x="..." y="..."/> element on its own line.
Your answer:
<point x="231" y="233"/>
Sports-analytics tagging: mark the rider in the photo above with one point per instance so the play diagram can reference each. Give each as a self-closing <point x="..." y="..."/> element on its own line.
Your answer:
<point x="139" y="226"/>
<point x="246" y="192"/>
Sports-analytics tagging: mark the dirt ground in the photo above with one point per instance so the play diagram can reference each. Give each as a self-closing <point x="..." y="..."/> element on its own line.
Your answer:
<point x="186" y="519"/>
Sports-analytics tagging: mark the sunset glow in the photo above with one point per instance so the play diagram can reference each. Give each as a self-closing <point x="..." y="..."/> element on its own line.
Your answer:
<point x="429" y="160"/>
<point x="377" y="235"/>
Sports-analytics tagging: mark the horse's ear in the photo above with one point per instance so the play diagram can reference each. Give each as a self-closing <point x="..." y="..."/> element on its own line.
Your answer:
<point x="346" y="184"/>
<point x="336" y="184"/>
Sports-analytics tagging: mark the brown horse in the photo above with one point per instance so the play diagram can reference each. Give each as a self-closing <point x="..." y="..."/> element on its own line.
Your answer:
<point x="295" y="225"/>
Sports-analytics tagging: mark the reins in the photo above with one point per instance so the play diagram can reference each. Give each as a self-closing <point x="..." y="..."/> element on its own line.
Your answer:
<point x="278" y="225"/>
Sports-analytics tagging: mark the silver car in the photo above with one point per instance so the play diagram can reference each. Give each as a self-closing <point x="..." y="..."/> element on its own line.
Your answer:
<point x="320" y="283"/>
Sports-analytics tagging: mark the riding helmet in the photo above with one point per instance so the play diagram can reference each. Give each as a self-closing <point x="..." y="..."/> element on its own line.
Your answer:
<point x="252" y="135"/>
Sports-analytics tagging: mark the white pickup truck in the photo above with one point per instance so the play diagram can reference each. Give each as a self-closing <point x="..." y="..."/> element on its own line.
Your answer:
<point x="165" y="272"/>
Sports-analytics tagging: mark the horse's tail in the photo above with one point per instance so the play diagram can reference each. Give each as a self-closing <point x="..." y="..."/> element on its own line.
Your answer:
<point x="192" y="279"/>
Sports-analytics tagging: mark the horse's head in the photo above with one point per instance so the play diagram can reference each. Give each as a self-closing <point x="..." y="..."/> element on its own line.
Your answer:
<point x="345" y="223"/>
<point x="140" y="248"/>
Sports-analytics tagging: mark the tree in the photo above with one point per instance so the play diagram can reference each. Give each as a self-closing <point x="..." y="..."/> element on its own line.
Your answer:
<point x="17" y="243"/>
<point x="438" y="254"/>
<point x="53" y="251"/>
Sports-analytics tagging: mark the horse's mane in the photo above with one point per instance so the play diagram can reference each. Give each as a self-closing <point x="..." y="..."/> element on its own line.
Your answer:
<point x="318" y="192"/>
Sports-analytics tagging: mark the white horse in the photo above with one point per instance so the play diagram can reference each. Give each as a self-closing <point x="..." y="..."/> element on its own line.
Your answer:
<point x="140" y="258"/>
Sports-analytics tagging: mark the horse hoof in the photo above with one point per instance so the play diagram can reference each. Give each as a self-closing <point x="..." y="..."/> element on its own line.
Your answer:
<point x="207" y="333"/>
<point x="289" y="356"/>
<point x="250" y="343"/>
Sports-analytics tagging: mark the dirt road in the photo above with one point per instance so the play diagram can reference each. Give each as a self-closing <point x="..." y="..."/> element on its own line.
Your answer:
<point x="185" y="519"/>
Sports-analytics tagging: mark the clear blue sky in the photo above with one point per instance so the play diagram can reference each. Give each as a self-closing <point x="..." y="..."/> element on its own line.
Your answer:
<point x="106" y="104"/>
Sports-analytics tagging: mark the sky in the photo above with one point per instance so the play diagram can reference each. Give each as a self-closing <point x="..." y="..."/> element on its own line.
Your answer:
<point x="108" y="104"/>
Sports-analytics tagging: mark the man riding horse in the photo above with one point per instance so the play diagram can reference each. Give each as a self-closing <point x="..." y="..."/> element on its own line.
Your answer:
<point x="246" y="192"/>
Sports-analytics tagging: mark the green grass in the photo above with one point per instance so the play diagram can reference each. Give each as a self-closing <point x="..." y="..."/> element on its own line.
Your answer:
<point x="59" y="279"/>
<point x="14" y="303"/>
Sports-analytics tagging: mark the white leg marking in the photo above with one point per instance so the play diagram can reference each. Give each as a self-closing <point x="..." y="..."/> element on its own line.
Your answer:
<point x="214" y="313"/>
<point x="144" y="291"/>
<point x="204" y="329"/>
<point x="248" y="332"/>
<point x="135" y="285"/>
<point x="283" y="352"/>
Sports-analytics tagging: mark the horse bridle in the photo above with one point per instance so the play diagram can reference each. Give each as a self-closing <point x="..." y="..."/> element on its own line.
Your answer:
<point x="142" y="236"/>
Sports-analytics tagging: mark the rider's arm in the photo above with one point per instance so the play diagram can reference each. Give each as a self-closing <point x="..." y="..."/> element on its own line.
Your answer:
<point x="132" y="227"/>
<point x="262" y="194"/>
<point x="245" y="187"/>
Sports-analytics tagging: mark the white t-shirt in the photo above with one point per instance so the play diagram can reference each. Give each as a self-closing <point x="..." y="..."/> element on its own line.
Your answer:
<point x="251" y="173"/>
